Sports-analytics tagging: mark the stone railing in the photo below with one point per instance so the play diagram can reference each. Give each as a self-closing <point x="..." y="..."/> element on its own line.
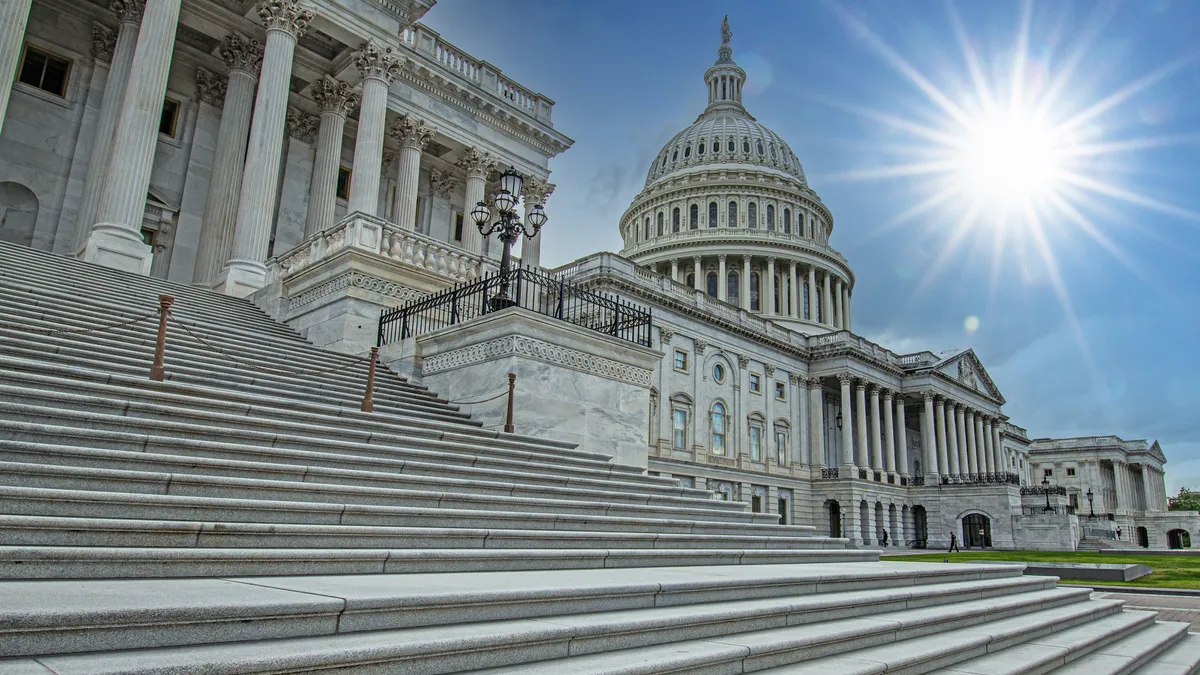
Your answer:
<point x="383" y="238"/>
<point x="481" y="74"/>
<point x="725" y="233"/>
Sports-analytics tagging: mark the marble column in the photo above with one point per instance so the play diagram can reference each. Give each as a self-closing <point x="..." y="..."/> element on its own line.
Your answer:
<point x="972" y="450"/>
<point x="952" y="439"/>
<point x="849" y="468"/>
<point x="14" y="15"/>
<point x="874" y="430"/>
<point x="837" y="304"/>
<point x="889" y="433"/>
<point x="981" y="445"/>
<point x="827" y="301"/>
<point x="812" y="294"/>
<point x="697" y="274"/>
<point x="378" y="65"/>
<point x="745" y="303"/>
<point x="816" y="426"/>
<point x="116" y="239"/>
<point x="674" y="269"/>
<point x="794" y="292"/>
<point x="243" y="56"/>
<point x="960" y="428"/>
<point x="940" y="431"/>
<point x="901" y="439"/>
<point x="534" y="191"/>
<point x="413" y="135"/>
<point x="722" y="284"/>
<point x="244" y="272"/>
<point x="1119" y="485"/>
<point x="129" y="16"/>
<point x="929" y="454"/>
<point x="997" y="443"/>
<point x="477" y="165"/>
<point x="994" y="465"/>
<point x="862" y="458"/>
<point x="847" y="324"/>
<point x="768" y="300"/>
<point x="336" y="99"/>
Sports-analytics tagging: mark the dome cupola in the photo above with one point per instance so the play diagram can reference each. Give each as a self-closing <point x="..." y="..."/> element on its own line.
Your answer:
<point x="725" y="78"/>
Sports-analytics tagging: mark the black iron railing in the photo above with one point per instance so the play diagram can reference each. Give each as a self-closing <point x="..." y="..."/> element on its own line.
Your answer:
<point x="981" y="479"/>
<point x="830" y="473"/>
<point x="1040" y="510"/>
<point x="527" y="289"/>
<point x="1043" y="490"/>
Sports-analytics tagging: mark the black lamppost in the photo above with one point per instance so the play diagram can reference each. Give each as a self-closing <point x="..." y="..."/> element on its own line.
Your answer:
<point x="1091" y="506"/>
<point x="509" y="226"/>
<point x="1046" y="489"/>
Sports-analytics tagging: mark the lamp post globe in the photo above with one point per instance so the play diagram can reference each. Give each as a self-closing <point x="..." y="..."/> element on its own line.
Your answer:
<point x="508" y="227"/>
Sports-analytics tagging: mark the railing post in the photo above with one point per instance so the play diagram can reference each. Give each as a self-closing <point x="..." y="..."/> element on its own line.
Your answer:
<point x="157" y="372"/>
<point x="508" y="420"/>
<point x="562" y="290"/>
<point x="368" y="402"/>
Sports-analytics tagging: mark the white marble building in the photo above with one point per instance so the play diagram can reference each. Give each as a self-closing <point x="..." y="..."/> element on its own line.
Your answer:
<point x="321" y="156"/>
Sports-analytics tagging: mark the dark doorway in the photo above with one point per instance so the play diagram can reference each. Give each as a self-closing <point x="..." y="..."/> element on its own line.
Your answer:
<point x="977" y="531"/>
<point x="835" y="520"/>
<point x="1143" y="537"/>
<point x="1179" y="539"/>
<point x="920" y="527"/>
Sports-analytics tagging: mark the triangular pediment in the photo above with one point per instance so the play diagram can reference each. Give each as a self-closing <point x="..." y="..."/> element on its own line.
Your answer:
<point x="965" y="368"/>
<point x="1157" y="453"/>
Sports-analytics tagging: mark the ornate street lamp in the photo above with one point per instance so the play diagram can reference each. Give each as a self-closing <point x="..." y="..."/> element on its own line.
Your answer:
<point x="1091" y="507"/>
<point x="1046" y="489"/>
<point x="508" y="226"/>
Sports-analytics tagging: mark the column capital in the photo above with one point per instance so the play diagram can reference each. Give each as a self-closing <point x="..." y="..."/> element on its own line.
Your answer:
<point x="665" y="334"/>
<point x="845" y="379"/>
<point x="128" y="11"/>
<point x="875" y="389"/>
<point x="333" y="95"/>
<point x="411" y="132"/>
<point x="285" y="15"/>
<point x="477" y="164"/>
<point x="771" y="259"/>
<point x="927" y="395"/>
<point x="701" y="345"/>
<point x="104" y="43"/>
<point x="302" y="126"/>
<point x="721" y="257"/>
<point x="861" y="385"/>
<point x="696" y="259"/>
<point x="813" y="382"/>
<point x="743" y="362"/>
<point x="769" y="370"/>
<point x="536" y="190"/>
<point x="888" y="394"/>
<point x="376" y="61"/>
<point x="441" y="183"/>
<point x="210" y="88"/>
<point x="241" y="53"/>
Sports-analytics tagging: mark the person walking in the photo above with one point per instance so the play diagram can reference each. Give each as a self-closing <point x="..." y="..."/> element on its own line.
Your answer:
<point x="954" y="544"/>
<point x="884" y="537"/>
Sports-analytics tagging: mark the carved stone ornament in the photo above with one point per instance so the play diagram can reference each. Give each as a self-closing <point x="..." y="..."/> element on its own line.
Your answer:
<point x="536" y="191"/>
<point x="665" y="334"/>
<point x="769" y="371"/>
<point x="701" y="345"/>
<point x="927" y="395"/>
<point x="333" y="95"/>
<point x="302" y="126"/>
<point x="210" y="88"/>
<point x="389" y="156"/>
<point x="814" y="383"/>
<point x="796" y="380"/>
<point x="128" y="11"/>
<point x="104" y="43"/>
<point x="411" y="132"/>
<point x="477" y="164"/>
<point x="374" y="60"/>
<point x="285" y="15"/>
<point x="441" y="183"/>
<point x="241" y="53"/>
<point x="845" y="378"/>
<point x="743" y="361"/>
<point x="966" y="373"/>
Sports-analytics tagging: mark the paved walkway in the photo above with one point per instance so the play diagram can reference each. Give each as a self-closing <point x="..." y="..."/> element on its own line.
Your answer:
<point x="1169" y="607"/>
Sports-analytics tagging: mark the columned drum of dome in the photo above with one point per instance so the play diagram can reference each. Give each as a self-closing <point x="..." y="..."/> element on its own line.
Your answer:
<point x="729" y="188"/>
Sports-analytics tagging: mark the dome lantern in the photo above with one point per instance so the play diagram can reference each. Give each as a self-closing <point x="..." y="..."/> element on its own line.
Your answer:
<point x="725" y="78"/>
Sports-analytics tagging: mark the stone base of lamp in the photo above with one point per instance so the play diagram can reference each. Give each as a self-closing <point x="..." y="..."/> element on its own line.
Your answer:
<point x="117" y="247"/>
<point x="241" y="278"/>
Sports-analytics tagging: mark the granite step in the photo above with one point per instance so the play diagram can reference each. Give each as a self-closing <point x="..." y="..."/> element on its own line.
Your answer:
<point x="1127" y="655"/>
<point x="48" y="617"/>
<point x="19" y="501"/>
<point x="86" y="562"/>
<point x="451" y="649"/>
<point x="1181" y="659"/>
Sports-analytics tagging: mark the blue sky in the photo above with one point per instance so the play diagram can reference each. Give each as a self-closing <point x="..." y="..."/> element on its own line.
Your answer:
<point x="1088" y="320"/>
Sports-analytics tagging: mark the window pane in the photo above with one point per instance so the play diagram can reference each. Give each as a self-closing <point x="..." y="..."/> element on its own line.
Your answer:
<point x="712" y="284"/>
<point x="734" y="288"/>
<point x="755" y="444"/>
<point x="712" y="214"/>
<point x="31" y="69"/>
<point x="55" y="78"/>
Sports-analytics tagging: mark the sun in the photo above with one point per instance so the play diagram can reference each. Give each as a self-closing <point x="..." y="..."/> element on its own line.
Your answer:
<point x="1008" y="158"/>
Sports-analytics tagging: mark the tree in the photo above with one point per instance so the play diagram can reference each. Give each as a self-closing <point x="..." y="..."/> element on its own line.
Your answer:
<point x="1186" y="501"/>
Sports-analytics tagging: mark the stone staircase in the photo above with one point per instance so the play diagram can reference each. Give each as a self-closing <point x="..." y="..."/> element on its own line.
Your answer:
<point x="1094" y="544"/>
<point x="236" y="518"/>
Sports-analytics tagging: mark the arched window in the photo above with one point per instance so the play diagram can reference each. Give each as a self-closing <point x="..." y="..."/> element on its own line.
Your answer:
<point x="772" y="152"/>
<point x="716" y="146"/>
<point x="760" y="149"/>
<point x="807" y="310"/>
<point x="781" y="443"/>
<point x="771" y="217"/>
<point x="675" y="220"/>
<point x="681" y="407"/>
<point x="663" y="165"/>
<point x="675" y="156"/>
<point x="754" y="292"/>
<point x="733" y="290"/>
<point x="712" y="284"/>
<point x="756" y="438"/>
<point x="687" y="151"/>
<point x="752" y="214"/>
<point x="691" y="280"/>
<point x="718" y="428"/>
<point x="700" y="147"/>
<point x="787" y="221"/>
<point x="660" y="223"/>
<point x="723" y="90"/>
<point x="647" y="228"/>
<point x="732" y="215"/>
<point x="746" y="145"/>
<point x="712" y="214"/>
<point x="730" y="147"/>
<point x="693" y="217"/>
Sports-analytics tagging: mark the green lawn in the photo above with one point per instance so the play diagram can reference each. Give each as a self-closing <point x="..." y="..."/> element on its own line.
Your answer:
<point x="1169" y="571"/>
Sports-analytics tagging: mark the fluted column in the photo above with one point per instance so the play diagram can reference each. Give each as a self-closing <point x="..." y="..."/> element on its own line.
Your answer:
<point x="336" y="99"/>
<point x="816" y="426"/>
<point x="981" y="445"/>
<point x="244" y="272"/>
<point x="14" y="15"/>
<point x="129" y="16"/>
<point x="848" y="459"/>
<point x="244" y="58"/>
<point x="697" y="274"/>
<point x="812" y="294"/>
<point x="116" y="239"/>
<point x="477" y="165"/>
<point x="960" y="429"/>
<point x="901" y="439"/>
<point x="956" y="467"/>
<point x="994" y="466"/>
<point x="722" y="284"/>
<point x="837" y="304"/>
<point x="535" y="191"/>
<point x="943" y="464"/>
<point x="1119" y="485"/>
<point x="1001" y="456"/>
<point x="378" y="65"/>
<point x="972" y="454"/>
<point x="794" y="293"/>
<point x="745" y="303"/>
<point x="770" y="304"/>
<point x="827" y="301"/>
<point x="862" y="457"/>
<point x="413" y="136"/>
<point x="847" y="323"/>
<point x="875" y="444"/>
<point x="889" y="432"/>
<point x="674" y="269"/>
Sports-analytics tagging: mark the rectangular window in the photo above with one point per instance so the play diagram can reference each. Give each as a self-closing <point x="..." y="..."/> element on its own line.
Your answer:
<point x="168" y="121"/>
<point x="756" y="503"/>
<point x="679" y="424"/>
<point x="1074" y="498"/>
<point x="780" y="448"/>
<point x="343" y="183"/>
<point x="756" y="444"/>
<point x="755" y="383"/>
<point x="1070" y="472"/>
<point x="780" y="391"/>
<point x="148" y="237"/>
<point x="458" y="227"/>
<point x="681" y="360"/>
<point x="784" y="516"/>
<point x="1047" y="473"/>
<point x="45" y="71"/>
